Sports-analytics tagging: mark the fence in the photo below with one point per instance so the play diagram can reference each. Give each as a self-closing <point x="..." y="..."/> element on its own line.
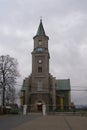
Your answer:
<point x="57" y="109"/>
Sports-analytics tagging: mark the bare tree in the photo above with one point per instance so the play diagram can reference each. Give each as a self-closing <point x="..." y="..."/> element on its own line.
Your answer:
<point x="8" y="75"/>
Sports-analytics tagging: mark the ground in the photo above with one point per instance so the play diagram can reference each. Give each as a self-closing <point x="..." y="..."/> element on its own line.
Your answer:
<point x="39" y="122"/>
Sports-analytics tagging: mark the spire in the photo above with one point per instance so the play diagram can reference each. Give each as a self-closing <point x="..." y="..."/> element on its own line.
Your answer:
<point x="40" y="30"/>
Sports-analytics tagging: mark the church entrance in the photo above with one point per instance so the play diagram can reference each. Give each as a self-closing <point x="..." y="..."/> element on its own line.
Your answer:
<point x="39" y="106"/>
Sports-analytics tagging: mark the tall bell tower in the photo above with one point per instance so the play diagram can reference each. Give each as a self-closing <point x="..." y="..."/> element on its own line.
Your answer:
<point x="40" y="61"/>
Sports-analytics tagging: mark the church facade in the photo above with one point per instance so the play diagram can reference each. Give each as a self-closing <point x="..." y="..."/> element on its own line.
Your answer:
<point x="40" y="87"/>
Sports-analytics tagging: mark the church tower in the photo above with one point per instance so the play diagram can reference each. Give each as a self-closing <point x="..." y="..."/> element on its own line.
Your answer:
<point x="40" y="69"/>
<point x="40" y="61"/>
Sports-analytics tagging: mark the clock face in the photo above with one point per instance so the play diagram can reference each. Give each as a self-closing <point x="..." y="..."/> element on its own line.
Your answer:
<point x="39" y="61"/>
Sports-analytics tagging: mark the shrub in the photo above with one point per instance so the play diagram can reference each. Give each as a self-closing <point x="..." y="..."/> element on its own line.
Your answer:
<point x="14" y="111"/>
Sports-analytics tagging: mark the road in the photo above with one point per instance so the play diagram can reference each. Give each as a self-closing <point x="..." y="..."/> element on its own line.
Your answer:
<point x="55" y="123"/>
<point x="8" y="122"/>
<point x="76" y="122"/>
<point x="38" y="122"/>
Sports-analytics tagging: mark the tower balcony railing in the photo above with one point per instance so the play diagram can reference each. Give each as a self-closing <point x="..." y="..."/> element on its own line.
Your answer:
<point x="43" y="91"/>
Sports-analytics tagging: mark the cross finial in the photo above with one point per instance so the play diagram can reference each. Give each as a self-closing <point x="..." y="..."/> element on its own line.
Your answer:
<point x="40" y="18"/>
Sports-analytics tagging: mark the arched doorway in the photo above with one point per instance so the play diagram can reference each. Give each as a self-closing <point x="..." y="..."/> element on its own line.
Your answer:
<point x="39" y="106"/>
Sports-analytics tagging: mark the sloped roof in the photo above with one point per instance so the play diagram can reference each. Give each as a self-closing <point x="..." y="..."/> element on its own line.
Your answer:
<point x="23" y="88"/>
<point x="24" y="85"/>
<point x="40" y="30"/>
<point x="63" y="84"/>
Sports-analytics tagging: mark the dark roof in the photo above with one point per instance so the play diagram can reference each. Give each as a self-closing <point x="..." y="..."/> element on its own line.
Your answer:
<point x="40" y="30"/>
<point x="25" y="84"/>
<point x="23" y="87"/>
<point x="63" y="84"/>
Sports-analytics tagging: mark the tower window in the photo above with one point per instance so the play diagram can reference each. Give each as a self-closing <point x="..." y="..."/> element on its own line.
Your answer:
<point x="40" y="42"/>
<point x="39" y="69"/>
<point x="40" y="86"/>
<point x="39" y="49"/>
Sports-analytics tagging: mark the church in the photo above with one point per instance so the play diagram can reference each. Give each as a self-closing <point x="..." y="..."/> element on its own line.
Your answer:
<point x="40" y="87"/>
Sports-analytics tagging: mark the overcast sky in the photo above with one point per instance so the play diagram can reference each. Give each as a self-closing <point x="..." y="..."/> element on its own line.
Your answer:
<point x="64" y="21"/>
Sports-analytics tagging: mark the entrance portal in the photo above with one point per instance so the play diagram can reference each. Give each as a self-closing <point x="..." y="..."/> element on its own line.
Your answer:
<point x="39" y="106"/>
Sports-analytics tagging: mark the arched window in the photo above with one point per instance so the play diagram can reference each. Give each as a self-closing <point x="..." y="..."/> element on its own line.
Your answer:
<point x="39" y="69"/>
<point x="39" y="86"/>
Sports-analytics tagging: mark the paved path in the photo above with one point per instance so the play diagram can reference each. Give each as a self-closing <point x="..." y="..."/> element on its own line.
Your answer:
<point x="55" y="123"/>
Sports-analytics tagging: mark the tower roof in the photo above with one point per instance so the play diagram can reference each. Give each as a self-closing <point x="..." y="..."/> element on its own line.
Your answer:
<point x="40" y="30"/>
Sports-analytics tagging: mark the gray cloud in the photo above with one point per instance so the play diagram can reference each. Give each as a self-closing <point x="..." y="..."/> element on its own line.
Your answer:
<point x="65" y="22"/>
